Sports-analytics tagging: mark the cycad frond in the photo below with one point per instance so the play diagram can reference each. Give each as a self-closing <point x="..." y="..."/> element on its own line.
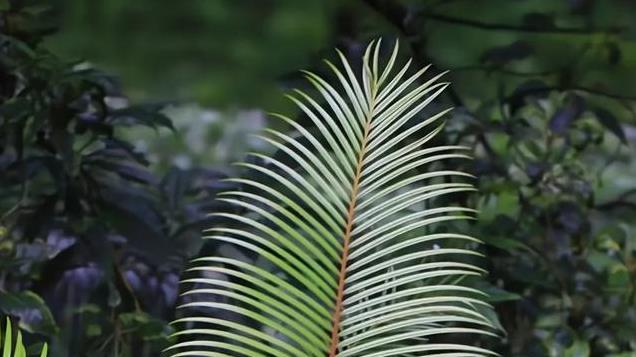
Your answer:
<point x="9" y="349"/>
<point x="344" y="222"/>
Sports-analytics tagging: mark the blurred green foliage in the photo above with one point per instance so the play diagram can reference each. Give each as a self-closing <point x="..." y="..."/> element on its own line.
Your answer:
<point x="544" y="92"/>
<point x="214" y="52"/>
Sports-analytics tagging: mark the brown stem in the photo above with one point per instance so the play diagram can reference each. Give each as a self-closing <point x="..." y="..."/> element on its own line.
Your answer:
<point x="337" y="314"/>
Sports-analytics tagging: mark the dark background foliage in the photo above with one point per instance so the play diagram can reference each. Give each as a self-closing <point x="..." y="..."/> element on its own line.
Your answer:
<point x="105" y="180"/>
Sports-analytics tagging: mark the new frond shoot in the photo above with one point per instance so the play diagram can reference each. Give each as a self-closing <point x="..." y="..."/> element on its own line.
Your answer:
<point x="344" y="243"/>
<point x="11" y="344"/>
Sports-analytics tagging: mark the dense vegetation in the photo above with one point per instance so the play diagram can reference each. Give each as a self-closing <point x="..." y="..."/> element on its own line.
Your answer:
<point x="95" y="227"/>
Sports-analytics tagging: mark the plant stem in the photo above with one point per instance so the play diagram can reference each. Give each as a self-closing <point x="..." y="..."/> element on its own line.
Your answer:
<point x="337" y="314"/>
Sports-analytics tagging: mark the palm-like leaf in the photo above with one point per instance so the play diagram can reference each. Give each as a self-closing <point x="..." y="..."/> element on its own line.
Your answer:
<point x="18" y="350"/>
<point x="356" y="272"/>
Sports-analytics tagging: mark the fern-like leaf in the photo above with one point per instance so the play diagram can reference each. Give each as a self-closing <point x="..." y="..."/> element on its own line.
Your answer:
<point x="343" y="217"/>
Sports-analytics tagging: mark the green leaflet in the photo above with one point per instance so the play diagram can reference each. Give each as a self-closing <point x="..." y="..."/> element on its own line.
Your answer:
<point x="14" y="348"/>
<point x="342" y="221"/>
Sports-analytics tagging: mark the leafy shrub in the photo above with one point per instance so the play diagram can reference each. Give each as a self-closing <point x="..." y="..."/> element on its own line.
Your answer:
<point x="91" y="240"/>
